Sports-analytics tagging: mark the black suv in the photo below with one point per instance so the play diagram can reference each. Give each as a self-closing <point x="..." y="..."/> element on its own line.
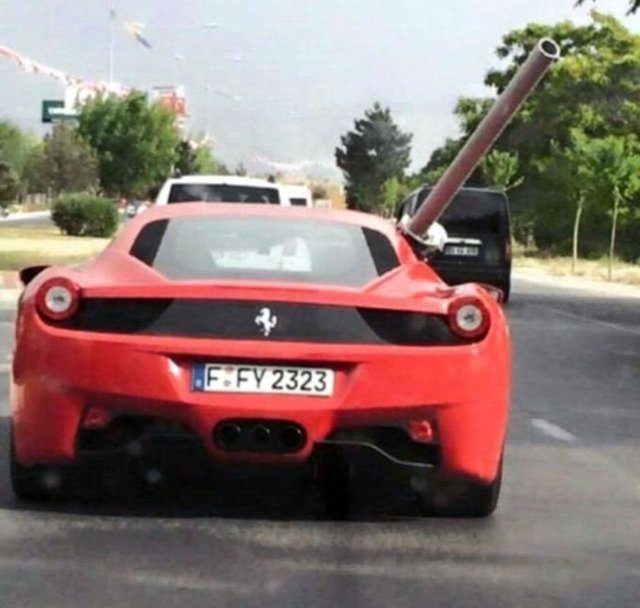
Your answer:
<point x="478" y="247"/>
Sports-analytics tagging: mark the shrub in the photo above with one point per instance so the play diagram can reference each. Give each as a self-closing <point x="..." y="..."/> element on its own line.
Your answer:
<point x="9" y="185"/>
<point x="85" y="215"/>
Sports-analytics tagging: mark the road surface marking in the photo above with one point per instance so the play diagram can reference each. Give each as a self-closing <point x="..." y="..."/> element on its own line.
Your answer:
<point x="552" y="430"/>
<point x="5" y="368"/>
<point x="571" y="315"/>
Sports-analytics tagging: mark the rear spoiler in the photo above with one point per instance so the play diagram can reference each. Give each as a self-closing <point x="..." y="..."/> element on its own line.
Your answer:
<point x="29" y="273"/>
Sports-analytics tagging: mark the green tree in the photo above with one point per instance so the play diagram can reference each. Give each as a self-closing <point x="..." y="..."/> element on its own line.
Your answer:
<point x="469" y="112"/>
<point x="9" y="185"/>
<point x="439" y="160"/>
<point x="135" y="142"/>
<point x="64" y="163"/>
<point x="594" y="89"/>
<point x="575" y="169"/>
<point x="15" y="146"/>
<point x="501" y="170"/>
<point x="32" y="182"/>
<point x="394" y="191"/>
<point x="375" y="151"/>
<point x="82" y="214"/>
<point x="633" y="4"/>
<point x="186" y="161"/>
<point x="196" y="158"/>
<point x="619" y="170"/>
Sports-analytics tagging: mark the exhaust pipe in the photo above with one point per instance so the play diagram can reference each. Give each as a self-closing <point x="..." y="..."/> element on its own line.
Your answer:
<point x="499" y="116"/>
<point x="260" y="436"/>
<point x="228" y="435"/>
<point x="292" y="438"/>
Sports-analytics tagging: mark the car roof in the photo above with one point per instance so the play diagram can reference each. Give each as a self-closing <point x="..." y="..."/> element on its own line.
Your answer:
<point x="231" y="180"/>
<point x="295" y="188"/>
<point x="490" y="190"/>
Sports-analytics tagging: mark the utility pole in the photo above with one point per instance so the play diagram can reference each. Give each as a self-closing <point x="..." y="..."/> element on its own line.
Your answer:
<point x="112" y="22"/>
<point x="207" y="103"/>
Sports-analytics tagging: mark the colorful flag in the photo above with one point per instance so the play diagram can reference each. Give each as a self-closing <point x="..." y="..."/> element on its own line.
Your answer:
<point x="136" y="30"/>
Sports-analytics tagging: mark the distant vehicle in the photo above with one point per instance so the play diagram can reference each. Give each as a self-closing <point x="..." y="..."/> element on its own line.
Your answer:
<point x="295" y="196"/>
<point x="134" y="207"/>
<point x="478" y="245"/>
<point x="218" y="189"/>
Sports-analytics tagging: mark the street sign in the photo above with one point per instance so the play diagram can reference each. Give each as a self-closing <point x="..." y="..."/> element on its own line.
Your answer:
<point x="54" y="110"/>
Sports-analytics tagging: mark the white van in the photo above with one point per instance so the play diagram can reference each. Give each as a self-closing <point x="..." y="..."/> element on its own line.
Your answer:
<point x="220" y="188"/>
<point x="295" y="196"/>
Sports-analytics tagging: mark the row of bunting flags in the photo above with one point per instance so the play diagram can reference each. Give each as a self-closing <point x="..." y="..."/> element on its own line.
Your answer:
<point x="79" y="90"/>
<point x="29" y="66"/>
<point x="134" y="29"/>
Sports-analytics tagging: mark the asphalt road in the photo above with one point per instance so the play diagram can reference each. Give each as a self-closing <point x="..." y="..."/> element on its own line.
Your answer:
<point x="567" y="532"/>
<point x="34" y="220"/>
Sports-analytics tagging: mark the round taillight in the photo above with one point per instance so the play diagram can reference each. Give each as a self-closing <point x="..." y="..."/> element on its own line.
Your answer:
<point x="468" y="318"/>
<point x="58" y="299"/>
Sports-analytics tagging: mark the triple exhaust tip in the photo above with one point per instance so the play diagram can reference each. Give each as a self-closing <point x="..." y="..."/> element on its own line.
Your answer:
<point x="259" y="437"/>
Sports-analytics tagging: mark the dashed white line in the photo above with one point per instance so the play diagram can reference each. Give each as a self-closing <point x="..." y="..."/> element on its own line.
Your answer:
<point x="5" y="368"/>
<point x="552" y="430"/>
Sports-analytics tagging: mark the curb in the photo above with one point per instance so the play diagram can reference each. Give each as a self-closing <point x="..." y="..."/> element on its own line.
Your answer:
<point x="601" y="288"/>
<point x="9" y="298"/>
<point x="9" y="280"/>
<point x="10" y="289"/>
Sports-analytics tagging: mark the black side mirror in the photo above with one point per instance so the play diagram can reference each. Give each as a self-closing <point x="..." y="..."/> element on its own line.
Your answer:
<point x="29" y="273"/>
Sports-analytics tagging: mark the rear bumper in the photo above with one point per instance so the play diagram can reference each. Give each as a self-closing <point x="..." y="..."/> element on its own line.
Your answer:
<point x="463" y="390"/>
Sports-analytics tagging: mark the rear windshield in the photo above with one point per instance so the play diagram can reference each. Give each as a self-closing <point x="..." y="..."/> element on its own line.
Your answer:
<point x="477" y="210"/>
<point x="222" y="193"/>
<point x="265" y="249"/>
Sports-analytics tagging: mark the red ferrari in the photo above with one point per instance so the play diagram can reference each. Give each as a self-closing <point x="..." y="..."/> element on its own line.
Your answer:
<point x="268" y="336"/>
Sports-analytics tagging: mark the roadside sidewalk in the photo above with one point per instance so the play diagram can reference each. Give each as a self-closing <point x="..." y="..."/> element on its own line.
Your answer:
<point x="24" y="215"/>
<point x="601" y="288"/>
<point x="10" y="289"/>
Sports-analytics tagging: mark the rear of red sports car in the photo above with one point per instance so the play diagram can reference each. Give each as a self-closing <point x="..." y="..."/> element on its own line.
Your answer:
<point x="266" y="336"/>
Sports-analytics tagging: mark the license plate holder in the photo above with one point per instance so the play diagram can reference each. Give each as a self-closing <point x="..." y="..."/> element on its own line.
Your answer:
<point x="262" y="379"/>
<point x="462" y="250"/>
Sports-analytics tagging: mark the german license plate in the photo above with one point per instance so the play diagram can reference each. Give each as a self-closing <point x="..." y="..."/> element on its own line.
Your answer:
<point x="231" y="378"/>
<point x="461" y="250"/>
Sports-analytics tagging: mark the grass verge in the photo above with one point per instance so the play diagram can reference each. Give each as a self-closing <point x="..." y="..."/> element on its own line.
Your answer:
<point x="589" y="269"/>
<point x="22" y="246"/>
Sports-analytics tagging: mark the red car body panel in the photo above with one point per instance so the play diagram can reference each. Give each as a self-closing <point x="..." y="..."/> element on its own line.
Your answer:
<point x="58" y="373"/>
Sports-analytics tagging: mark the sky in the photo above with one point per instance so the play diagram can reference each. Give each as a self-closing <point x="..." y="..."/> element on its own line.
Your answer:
<point x="285" y="78"/>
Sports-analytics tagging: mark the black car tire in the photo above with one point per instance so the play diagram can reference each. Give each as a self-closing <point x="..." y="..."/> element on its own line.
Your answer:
<point x="463" y="498"/>
<point x="333" y="477"/>
<point x="33" y="482"/>
<point x="505" y="286"/>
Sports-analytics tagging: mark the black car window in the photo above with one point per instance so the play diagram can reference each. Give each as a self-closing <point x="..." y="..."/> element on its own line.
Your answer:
<point x="222" y="193"/>
<point x="481" y="211"/>
<point x="265" y="249"/>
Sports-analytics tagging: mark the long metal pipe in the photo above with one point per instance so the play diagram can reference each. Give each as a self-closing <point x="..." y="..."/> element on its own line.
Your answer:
<point x="503" y="110"/>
